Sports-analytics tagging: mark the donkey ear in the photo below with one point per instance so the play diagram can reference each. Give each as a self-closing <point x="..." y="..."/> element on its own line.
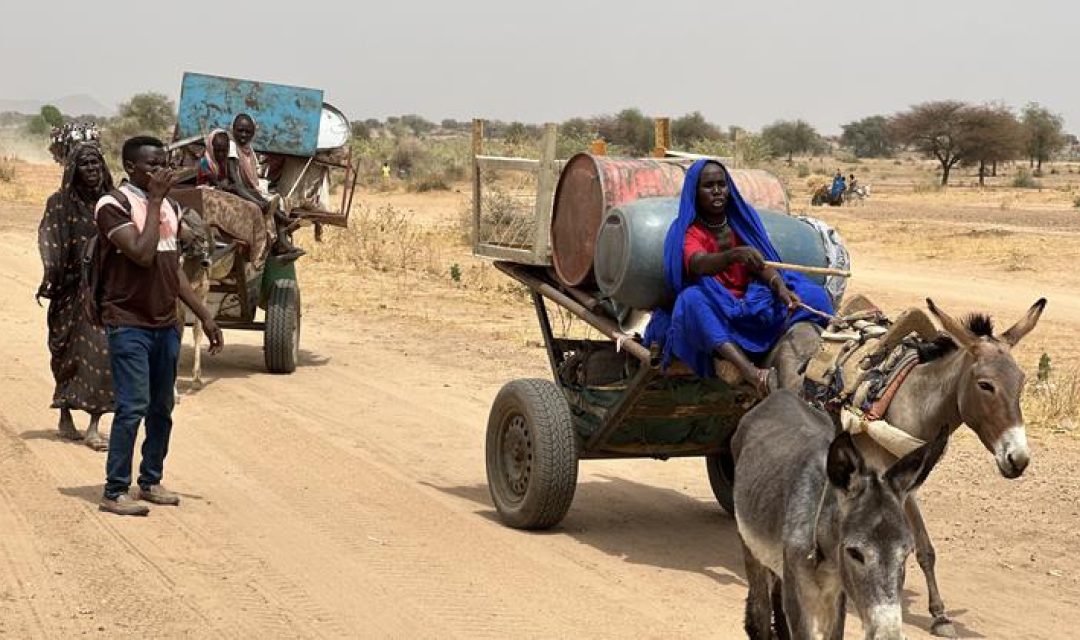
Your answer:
<point x="1025" y="324"/>
<point x="844" y="462"/>
<point x="963" y="336"/>
<point x="909" y="472"/>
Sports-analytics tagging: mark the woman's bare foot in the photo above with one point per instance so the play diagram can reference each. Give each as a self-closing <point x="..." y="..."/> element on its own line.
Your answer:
<point x="96" y="442"/>
<point x="93" y="437"/>
<point x="66" y="426"/>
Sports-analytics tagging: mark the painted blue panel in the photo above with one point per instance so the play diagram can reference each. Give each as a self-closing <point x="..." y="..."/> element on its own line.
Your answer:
<point x="287" y="118"/>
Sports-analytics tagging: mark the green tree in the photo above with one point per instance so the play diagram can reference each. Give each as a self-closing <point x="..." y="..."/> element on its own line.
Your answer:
<point x="629" y="128"/>
<point x="150" y="113"/>
<point x="868" y="138"/>
<point x="788" y="137"/>
<point x="691" y="128"/>
<point x="991" y="134"/>
<point x="360" y="131"/>
<point x="52" y="116"/>
<point x="516" y="133"/>
<point x="1045" y="134"/>
<point x="935" y="129"/>
<point x="418" y="124"/>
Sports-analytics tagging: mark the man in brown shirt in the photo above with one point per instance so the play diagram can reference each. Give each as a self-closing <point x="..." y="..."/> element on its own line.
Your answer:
<point x="140" y="282"/>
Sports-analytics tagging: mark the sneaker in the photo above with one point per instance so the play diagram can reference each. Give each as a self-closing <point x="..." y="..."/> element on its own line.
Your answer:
<point x="123" y="505"/>
<point x="159" y="495"/>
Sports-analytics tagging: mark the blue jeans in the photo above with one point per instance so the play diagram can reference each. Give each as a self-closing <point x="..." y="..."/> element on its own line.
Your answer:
<point x="143" y="365"/>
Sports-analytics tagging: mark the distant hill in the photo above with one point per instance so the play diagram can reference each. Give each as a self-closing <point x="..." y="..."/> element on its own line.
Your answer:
<point x="77" y="105"/>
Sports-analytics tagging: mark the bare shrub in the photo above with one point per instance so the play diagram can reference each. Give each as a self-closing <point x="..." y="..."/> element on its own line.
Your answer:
<point x="8" y="169"/>
<point x="930" y="186"/>
<point x="1054" y="401"/>
<point x="385" y="239"/>
<point x="1025" y="180"/>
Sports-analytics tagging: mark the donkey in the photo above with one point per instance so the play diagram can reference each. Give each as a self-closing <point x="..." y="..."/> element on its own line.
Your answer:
<point x="819" y="527"/>
<point x="967" y="376"/>
<point x="196" y="242"/>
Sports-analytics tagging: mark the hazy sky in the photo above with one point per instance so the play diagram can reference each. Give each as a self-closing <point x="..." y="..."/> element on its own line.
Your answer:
<point x="745" y="63"/>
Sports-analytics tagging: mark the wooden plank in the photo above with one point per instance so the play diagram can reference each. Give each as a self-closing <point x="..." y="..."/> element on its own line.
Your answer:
<point x="545" y="191"/>
<point x="498" y="163"/>
<point x="477" y="149"/>
<point x="662" y="137"/>
<point x="521" y="256"/>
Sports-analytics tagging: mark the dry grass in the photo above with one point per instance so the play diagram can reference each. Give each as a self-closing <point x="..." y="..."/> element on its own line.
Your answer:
<point x="29" y="183"/>
<point x="8" y="170"/>
<point x="1054" y="404"/>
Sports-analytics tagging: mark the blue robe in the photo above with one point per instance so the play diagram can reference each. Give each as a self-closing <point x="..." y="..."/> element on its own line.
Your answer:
<point x="705" y="314"/>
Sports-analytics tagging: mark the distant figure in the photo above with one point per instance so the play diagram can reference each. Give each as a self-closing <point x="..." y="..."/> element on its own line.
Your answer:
<point x="838" y="187"/>
<point x="852" y="183"/>
<point x="386" y="171"/>
<point x="79" y="349"/>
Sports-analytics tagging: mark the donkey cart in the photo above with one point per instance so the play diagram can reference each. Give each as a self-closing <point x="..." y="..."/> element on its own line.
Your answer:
<point x="584" y="237"/>
<point x="304" y="139"/>
<point x="609" y="399"/>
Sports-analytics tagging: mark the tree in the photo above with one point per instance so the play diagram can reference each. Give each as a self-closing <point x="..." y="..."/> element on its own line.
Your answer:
<point x="516" y="133"/>
<point x="790" y="137"/>
<point x="934" y="129"/>
<point x="868" y="138"/>
<point x="629" y="128"/>
<point x="52" y="116"/>
<point x="418" y="124"/>
<point x="691" y="128"/>
<point x="360" y="131"/>
<point x="991" y="134"/>
<point x="149" y="113"/>
<point x="577" y="128"/>
<point x="1045" y="135"/>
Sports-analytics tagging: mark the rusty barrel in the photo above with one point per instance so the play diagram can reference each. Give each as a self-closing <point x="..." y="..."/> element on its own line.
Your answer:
<point x="590" y="186"/>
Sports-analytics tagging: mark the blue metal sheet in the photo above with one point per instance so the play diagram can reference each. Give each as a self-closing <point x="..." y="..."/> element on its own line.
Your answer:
<point x="287" y="117"/>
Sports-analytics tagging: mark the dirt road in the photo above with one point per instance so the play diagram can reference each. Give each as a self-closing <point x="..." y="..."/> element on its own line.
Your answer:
<point x="349" y="500"/>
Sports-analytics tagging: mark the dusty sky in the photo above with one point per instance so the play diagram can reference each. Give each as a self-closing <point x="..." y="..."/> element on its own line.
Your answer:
<point x="747" y="63"/>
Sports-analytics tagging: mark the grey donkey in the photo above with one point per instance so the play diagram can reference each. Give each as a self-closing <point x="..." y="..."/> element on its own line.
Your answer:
<point x="819" y="526"/>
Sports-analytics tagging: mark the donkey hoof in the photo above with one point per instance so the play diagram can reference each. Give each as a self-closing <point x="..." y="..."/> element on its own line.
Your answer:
<point x="196" y="384"/>
<point x="943" y="628"/>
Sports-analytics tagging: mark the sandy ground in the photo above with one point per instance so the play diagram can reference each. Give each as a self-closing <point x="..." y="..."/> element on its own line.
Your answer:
<point x="349" y="499"/>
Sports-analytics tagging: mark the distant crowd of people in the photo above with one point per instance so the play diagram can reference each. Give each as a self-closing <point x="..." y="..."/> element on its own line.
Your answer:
<point x="63" y="139"/>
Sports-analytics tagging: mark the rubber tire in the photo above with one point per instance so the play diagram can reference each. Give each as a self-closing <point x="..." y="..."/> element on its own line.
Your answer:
<point x="553" y="477"/>
<point x="721" y="468"/>
<point x="281" y="336"/>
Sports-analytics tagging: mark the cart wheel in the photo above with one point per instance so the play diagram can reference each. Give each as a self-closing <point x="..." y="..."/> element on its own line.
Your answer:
<point x="532" y="458"/>
<point x="281" y="337"/>
<point x="721" y="468"/>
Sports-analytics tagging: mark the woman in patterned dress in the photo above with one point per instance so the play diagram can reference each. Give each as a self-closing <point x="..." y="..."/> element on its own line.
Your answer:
<point x="80" y="360"/>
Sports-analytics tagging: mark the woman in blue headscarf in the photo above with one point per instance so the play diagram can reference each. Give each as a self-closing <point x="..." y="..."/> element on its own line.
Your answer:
<point x="729" y="304"/>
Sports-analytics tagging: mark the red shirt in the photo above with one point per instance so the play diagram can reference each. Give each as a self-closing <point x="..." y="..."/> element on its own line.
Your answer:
<point x="736" y="278"/>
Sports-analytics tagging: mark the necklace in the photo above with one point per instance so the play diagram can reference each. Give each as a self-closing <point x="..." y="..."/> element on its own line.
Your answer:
<point x="716" y="225"/>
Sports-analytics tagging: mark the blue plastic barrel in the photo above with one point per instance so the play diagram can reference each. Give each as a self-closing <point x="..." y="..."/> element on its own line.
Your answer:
<point x="629" y="258"/>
